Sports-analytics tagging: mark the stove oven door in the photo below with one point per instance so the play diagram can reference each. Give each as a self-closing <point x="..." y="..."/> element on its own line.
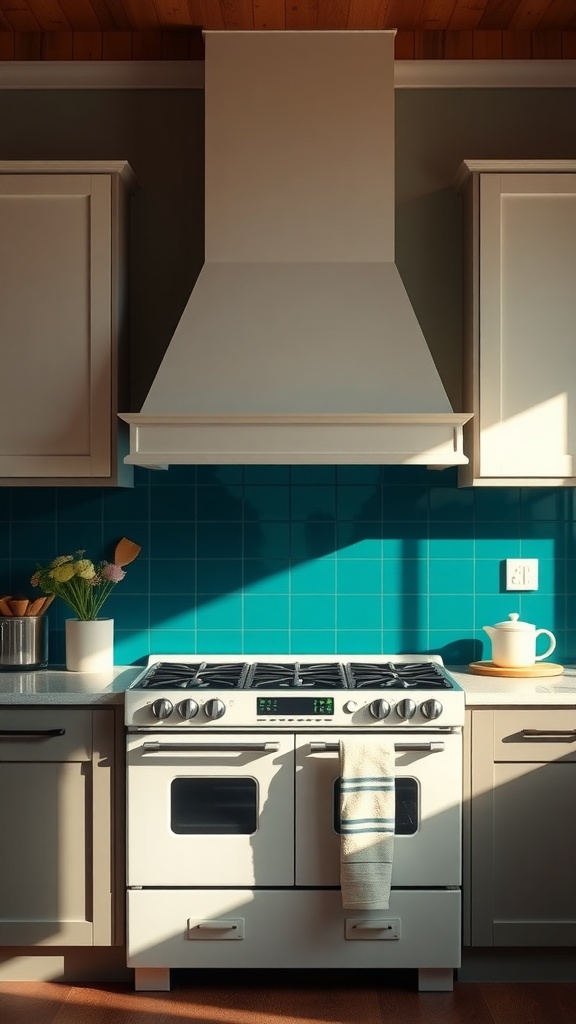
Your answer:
<point x="428" y="785"/>
<point x="208" y="810"/>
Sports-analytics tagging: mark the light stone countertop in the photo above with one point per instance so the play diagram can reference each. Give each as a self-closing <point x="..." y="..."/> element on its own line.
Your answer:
<point x="499" y="691"/>
<point x="54" y="686"/>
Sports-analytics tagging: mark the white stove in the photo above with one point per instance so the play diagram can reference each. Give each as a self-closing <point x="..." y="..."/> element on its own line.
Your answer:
<point x="233" y="813"/>
<point x="350" y="692"/>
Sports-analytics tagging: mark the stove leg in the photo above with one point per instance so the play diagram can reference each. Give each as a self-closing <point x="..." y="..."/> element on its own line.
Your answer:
<point x="435" y="979"/>
<point x="152" y="979"/>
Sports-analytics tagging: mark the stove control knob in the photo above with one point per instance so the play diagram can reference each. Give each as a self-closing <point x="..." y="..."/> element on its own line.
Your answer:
<point x="406" y="708"/>
<point x="379" y="709"/>
<point x="162" y="708"/>
<point x="214" y="708"/>
<point x="351" y="706"/>
<point x="187" y="708"/>
<point x="431" y="708"/>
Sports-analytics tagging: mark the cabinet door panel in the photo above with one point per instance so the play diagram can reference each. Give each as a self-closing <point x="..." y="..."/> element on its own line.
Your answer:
<point x="43" y="897"/>
<point x="534" y="899"/>
<point x="521" y="875"/>
<point x="527" y="313"/>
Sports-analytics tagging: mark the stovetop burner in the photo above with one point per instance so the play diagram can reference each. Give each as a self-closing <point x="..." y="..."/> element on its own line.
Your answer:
<point x="394" y="675"/>
<point x="327" y="675"/>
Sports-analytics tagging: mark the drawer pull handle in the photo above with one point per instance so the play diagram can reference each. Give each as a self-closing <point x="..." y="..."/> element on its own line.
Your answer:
<point x="569" y="735"/>
<point x="155" y="747"/>
<point x="216" y="926"/>
<point x="32" y="733"/>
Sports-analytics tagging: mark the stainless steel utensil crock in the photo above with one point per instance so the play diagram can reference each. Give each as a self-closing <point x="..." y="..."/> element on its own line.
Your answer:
<point x="23" y="642"/>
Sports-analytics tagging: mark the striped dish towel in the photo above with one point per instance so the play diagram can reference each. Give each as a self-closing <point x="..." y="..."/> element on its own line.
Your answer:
<point x="367" y="813"/>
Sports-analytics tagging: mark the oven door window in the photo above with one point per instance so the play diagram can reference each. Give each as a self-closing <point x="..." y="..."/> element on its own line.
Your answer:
<point x="214" y="806"/>
<point x="407" y="807"/>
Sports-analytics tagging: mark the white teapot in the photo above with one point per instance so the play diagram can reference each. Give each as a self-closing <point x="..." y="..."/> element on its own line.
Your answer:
<point x="514" y="642"/>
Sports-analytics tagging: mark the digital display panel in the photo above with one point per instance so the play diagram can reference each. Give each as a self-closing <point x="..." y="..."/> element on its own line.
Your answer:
<point x="294" y="705"/>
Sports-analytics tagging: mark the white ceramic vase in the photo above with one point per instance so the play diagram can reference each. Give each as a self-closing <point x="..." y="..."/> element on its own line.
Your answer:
<point x="89" y="645"/>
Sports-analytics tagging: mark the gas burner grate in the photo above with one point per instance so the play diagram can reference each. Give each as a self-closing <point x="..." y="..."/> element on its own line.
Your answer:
<point x="278" y="676"/>
<point x="203" y="675"/>
<point x="426" y="675"/>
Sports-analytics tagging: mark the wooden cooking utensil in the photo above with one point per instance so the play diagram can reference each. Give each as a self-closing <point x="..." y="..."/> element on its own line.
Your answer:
<point x="18" y="606"/>
<point x="126" y="551"/>
<point x="46" y="602"/>
<point x="5" y="608"/>
<point x="35" y="607"/>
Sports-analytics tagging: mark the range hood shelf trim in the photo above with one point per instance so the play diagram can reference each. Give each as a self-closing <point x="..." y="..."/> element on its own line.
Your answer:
<point x="431" y="439"/>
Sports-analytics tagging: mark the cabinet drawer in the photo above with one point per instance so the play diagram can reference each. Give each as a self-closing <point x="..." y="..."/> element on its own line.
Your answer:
<point x="30" y="734"/>
<point x="537" y="735"/>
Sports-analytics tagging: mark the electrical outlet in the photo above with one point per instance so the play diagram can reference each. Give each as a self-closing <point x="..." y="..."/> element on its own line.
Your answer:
<point x="521" y="574"/>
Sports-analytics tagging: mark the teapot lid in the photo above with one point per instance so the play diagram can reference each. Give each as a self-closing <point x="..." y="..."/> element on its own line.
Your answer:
<point x="514" y="622"/>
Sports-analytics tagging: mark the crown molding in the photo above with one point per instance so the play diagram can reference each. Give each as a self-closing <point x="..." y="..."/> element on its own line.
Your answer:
<point x="175" y="74"/>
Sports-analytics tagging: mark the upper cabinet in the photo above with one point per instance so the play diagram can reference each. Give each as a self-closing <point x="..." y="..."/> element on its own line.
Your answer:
<point x="519" y="322"/>
<point x="63" y="253"/>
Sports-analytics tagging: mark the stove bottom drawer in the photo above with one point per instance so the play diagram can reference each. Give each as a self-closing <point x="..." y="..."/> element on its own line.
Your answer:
<point x="295" y="929"/>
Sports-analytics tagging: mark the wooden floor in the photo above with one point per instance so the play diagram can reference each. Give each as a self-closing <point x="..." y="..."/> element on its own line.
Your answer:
<point x="287" y="1002"/>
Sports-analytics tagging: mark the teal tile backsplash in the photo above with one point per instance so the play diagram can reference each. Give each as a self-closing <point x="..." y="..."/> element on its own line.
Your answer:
<point x="304" y="559"/>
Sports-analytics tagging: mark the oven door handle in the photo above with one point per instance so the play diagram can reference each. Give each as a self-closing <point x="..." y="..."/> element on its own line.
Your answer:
<point x="432" y="747"/>
<point x="154" y="747"/>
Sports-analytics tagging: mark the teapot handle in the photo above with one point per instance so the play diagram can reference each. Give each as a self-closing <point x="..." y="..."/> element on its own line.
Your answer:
<point x="551" y="646"/>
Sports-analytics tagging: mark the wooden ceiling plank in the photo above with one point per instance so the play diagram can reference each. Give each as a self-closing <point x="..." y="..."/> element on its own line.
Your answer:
<point x="560" y="14"/>
<point x="466" y="15"/>
<point x="364" y="14"/>
<point x="173" y="13"/>
<point x="111" y="15"/>
<point x="458" y="45"/>
<point x="403" y="14"/>
<point x="301" y="15"/>
<point x="49" y="15"/>
<point x="436" y="15"/>
<point x="516" y="45"/>
<point x="269" y="14"/>
<point x="80" y="15"/>
<point x="547" y="44"/>
<point x="19" y="17"/>
<point x="142" y="15"/>
<point x="404" y="45"/>
<point x="87" y="45"/>
<point x="116" y="45"/>
<point x="488" y="44"/>
<point x="497" y="14"/>
<point x="237" y="14"/>
<point x="206" y="14"/>
<point x="528" y="15"/>
<point x="333" y="14"/>
<point x="57" y="46"/>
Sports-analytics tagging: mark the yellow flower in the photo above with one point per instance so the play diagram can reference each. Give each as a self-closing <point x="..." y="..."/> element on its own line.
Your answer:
<point x="60" y="560"/>
<point x="85" y="569"/>
<point x="62" y="573"/>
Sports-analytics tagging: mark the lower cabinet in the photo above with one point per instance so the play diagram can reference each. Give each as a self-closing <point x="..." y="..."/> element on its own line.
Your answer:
<point x="519" y="848"/>
<point x="57" y="836"/>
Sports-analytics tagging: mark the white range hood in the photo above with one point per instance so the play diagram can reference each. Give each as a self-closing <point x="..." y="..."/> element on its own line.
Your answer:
<point x="298" y="343"/>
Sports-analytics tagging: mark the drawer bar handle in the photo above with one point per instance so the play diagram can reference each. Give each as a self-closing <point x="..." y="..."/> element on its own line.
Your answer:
<point x="433" y="747"/>
<point x="373" y="926"/>
<point x="553" y="734"/>
<point x="32" y="733"/>
<point x="217" y="926"/>
<point x="154" y="746"/>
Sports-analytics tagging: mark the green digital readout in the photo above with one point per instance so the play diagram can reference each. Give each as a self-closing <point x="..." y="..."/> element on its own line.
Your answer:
<point x="294" y="705"/>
